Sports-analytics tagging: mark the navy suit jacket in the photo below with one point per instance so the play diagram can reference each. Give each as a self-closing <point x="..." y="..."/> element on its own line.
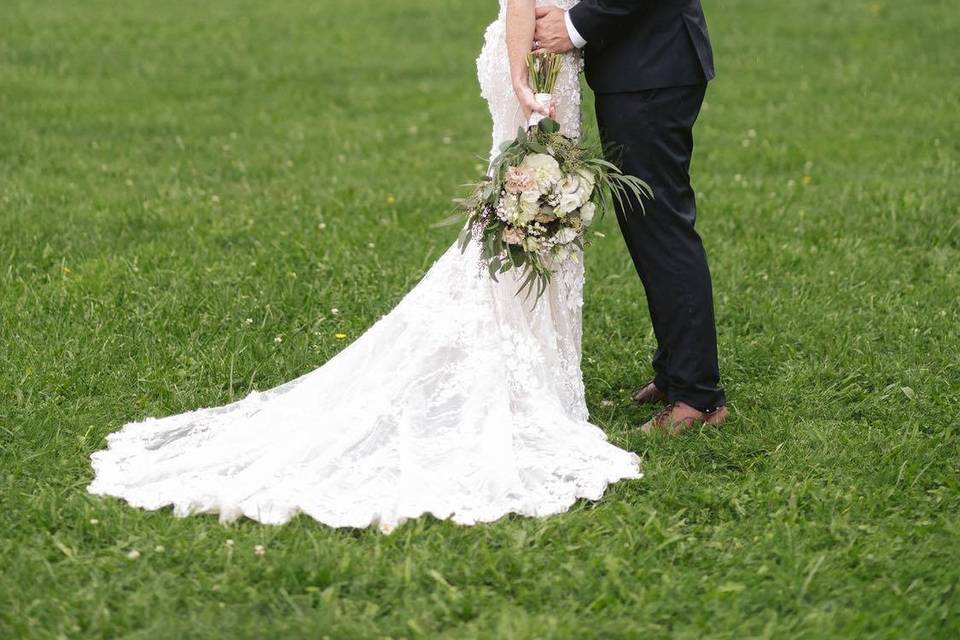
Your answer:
<point x="634" y="45"/>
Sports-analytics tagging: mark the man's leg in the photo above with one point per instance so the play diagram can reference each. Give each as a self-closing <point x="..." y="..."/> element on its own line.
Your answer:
<point x="651" y="133"/>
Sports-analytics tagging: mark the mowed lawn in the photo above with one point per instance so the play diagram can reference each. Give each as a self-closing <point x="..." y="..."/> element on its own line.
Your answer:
<point x="188" y="190"/>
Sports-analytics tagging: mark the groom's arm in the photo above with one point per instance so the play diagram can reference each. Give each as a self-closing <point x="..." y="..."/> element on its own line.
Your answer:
<point x="599" y="21"/>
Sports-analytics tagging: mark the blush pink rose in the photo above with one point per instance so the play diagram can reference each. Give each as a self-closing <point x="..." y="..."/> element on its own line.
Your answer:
<point x="518" y="180"/>
<point x="512" y="235"/>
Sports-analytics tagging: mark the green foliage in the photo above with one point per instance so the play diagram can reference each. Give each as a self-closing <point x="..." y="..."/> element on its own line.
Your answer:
<point x="170" y="170"/>
<point x="485" y="227"/>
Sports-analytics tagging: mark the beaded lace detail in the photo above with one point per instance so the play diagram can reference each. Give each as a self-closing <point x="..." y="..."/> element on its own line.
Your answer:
<point x="493" y="71"/>
<point x="464" y="402"/>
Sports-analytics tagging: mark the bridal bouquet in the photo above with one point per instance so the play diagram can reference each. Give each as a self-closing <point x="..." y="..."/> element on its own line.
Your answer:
<point x="543" y="192"/>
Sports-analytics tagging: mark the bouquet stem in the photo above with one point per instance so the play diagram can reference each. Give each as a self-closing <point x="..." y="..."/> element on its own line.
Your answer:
<point x="544" y="70"/>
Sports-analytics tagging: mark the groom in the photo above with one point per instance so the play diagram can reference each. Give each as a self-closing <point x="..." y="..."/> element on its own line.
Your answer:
<point x="648" y="63"/>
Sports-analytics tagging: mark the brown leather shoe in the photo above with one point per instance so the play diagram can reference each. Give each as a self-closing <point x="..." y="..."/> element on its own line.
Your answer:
<point x="677" y="417"/>
<point x="649" y="394"/>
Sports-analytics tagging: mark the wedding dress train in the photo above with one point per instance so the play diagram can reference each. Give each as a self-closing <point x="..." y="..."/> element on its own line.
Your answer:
<point x="463" y="402"/>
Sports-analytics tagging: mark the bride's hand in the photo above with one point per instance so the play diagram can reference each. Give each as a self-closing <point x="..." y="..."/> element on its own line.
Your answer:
<point x="529" y="104"/>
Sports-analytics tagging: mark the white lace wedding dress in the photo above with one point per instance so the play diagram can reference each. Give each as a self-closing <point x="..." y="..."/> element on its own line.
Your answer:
<point x="462" y="402"/>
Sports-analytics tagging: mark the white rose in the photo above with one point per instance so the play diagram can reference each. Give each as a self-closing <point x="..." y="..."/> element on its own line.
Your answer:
<point x="585" y="188"/>
<point x="543" y="168"/>
<point x="587" y="212"/>
<point x="588" y="176"/>
<point x="570" y="184"/>
<point x="569" y="202"/>
<point x="584" y="194"/>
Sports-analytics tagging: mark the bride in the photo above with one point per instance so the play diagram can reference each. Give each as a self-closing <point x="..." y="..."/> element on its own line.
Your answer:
<point x="463" y="402"/>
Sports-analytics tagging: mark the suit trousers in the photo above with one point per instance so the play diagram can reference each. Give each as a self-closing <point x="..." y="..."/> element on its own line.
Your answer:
<point x="649" y="134"/>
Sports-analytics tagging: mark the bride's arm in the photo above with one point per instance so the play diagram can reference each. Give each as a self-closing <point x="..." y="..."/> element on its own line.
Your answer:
<point x="521" y="22"/>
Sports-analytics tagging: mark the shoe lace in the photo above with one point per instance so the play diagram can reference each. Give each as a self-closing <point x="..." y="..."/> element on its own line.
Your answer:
<point x="664" y="412"/>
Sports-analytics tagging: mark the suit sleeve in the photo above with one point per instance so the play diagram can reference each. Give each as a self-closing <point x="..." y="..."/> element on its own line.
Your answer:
<point x="600" y="21"/>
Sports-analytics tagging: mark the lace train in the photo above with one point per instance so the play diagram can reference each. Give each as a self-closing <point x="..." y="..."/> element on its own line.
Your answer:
<point x="463" y="402"/>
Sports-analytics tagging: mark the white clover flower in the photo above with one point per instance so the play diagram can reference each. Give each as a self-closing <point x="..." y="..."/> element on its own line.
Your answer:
<point x="259" y="549"/>
<point x="133" y="554"/>
<point x="544" y="170"/>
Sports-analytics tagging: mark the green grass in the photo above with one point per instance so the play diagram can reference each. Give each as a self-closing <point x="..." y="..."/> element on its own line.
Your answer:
<point x="165" y="169"/>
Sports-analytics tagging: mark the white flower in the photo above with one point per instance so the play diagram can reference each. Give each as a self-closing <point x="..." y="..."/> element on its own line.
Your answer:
<point x="585" y="188"/>
<point x="531" y="244"/>
<point x="570" y="183"/>
<point x="508" y="208"/>
<point x="587" y="212"/>
<point x="566" y="235"/>
<point x="229" y="542"/>
<point x="529" y="207"/>
<point x="259" y="549"/>
<point x="133" y="554"/>
<point x="588" y="176"/>
<point x="544" y="170"/>
<point x="569" y="203"/>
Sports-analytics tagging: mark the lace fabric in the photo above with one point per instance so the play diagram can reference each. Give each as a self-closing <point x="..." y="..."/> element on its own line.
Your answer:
<point x="496" y="86"/>
<point x="465" y="402"/>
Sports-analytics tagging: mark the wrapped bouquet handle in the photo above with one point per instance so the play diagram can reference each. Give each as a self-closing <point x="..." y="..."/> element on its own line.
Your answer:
<point x="544" y="99"/>
<point x="544" y="69"/>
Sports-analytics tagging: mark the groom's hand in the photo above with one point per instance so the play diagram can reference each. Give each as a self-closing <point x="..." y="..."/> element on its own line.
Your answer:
<point x="551" y="33"/>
